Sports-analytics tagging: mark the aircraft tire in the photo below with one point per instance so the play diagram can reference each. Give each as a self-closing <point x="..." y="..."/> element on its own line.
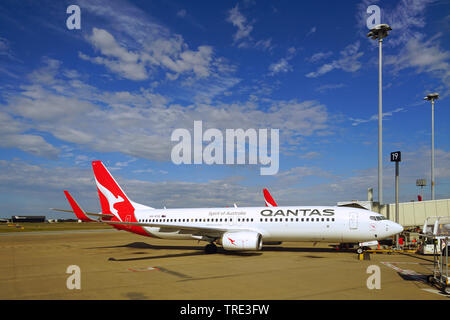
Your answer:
<point x="446" y="290"/>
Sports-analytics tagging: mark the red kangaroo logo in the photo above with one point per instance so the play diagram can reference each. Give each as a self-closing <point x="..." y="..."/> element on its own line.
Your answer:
<point x="232" y="241"/>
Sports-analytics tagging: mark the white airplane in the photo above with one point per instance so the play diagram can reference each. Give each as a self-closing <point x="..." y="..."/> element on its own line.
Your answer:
<point x="361" y="245"/>
<point x="238" y="228"/>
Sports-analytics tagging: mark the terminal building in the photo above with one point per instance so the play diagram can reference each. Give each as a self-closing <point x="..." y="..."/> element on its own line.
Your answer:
<point x="19" y="219"/>
<point x="411" y="214"/>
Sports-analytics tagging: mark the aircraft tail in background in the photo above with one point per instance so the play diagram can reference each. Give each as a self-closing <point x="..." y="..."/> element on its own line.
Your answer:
<point x="79" y="212"/>
<point x="268" y="199"/>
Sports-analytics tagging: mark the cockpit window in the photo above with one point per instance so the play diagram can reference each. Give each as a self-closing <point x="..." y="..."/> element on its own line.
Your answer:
<point x="378" y="218"/>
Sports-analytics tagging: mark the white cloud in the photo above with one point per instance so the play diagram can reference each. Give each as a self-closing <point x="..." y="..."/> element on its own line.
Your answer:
<point x="296" y="175"/>
<point x="238" y="20"/>
<point x="135" y="47"/>
<point x="374" y="117"/>
<point x="281" y="66"/>
<point x="242" y="37"/>
<point x="310" y="155"/>
<point x="5" y="50"/>
<point x="33" y="144"/>
<point x="425" y="56"/>
<point x="264" y="44"/>
<point x="310" y="32"/>
<point x="125" y="163"/>
<point x="170" y="54"/>
<point x="347" y="62"/>
<point x="319" y="56"/>
<point x="181" y="13"/>
<point x="118" y="59"/>
<point x="139" y="124"/>
<point x="405" y="18"/>
<point x="326" y="87"/>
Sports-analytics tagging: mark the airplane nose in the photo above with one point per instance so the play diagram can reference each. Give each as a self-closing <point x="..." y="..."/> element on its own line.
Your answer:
<point x="397" y="228"/>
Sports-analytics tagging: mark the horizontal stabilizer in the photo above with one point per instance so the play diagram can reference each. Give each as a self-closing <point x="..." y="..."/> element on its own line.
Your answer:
<point x="89" y="213"/>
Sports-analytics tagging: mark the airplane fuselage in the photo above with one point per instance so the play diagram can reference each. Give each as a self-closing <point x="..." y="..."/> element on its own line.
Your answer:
<point x="293" y="223"/>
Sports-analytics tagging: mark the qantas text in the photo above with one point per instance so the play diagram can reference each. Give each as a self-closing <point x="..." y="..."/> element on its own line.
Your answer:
<point x="297" y="212"/>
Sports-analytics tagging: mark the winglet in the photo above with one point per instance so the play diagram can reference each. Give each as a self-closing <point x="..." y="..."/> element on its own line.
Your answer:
<point x="79" y="212"/>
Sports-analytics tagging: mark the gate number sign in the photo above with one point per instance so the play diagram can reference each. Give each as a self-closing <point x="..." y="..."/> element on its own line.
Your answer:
<point x="396" y="156"/>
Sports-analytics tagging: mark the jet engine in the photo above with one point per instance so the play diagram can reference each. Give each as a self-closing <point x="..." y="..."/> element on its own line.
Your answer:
<point x="242" y="240"/>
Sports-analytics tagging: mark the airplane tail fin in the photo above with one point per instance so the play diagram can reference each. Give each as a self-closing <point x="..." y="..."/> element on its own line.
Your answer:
<point x="112" y="198"/>
<point x="79" y="212"/>
<point x="268" y="199"/>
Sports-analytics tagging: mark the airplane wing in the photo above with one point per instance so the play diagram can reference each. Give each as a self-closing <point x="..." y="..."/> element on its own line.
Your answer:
<point x="195" y="230"/>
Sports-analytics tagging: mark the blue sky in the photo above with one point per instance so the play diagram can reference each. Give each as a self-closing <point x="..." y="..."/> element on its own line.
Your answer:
<point x="136" y="70"/>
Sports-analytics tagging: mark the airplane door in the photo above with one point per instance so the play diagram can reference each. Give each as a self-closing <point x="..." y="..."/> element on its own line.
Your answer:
<point x="353" y="220"/>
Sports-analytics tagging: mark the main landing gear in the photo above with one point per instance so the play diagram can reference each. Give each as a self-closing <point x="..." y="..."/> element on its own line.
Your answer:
<point x="210" y="248"/>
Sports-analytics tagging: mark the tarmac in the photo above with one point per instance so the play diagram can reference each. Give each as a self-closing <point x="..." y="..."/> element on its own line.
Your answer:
<point x="119" y="265"/>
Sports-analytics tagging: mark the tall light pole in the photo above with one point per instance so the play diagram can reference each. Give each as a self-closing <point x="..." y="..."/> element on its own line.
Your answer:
<point x="379" y="32"/>
<point x="431" y="97"/>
